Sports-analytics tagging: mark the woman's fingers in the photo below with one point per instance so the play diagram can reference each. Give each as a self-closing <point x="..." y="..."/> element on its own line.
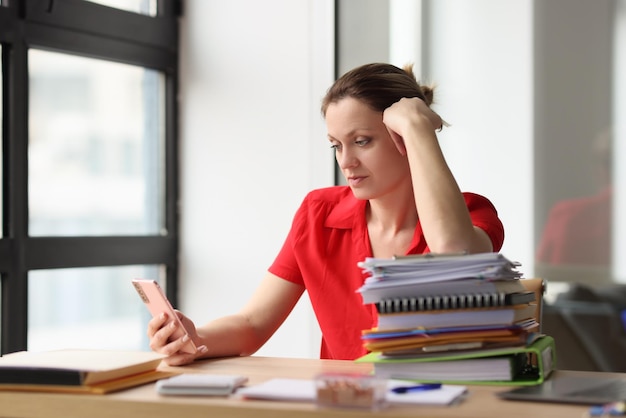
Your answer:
<point x="155" y="324"/>
<point x="407" y="107"/>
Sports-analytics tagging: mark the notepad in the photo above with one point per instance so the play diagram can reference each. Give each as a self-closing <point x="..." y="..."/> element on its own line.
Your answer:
<point x="200" y="384"/>
<point x="304" y="390"/>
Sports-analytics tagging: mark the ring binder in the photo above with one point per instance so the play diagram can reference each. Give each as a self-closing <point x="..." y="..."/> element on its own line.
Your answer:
<point x="535" y="363"/>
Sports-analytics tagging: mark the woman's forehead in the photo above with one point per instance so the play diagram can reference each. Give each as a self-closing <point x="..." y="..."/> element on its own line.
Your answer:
<point x="348" y="115"/>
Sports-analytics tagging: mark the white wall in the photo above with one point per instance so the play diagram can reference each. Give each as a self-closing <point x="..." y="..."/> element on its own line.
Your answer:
<point x="252" y="144"/>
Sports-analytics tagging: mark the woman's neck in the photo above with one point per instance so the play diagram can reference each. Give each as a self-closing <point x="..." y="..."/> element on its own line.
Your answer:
<point x="391" y="225"/>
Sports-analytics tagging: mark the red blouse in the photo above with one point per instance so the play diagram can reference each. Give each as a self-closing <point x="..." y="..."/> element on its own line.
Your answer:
<point x="328" y="238"/>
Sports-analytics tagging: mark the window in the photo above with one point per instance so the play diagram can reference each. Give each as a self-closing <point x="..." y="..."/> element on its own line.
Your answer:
<point x="94" y="125"/>
<point x="146" y="7"/>
<point x="89" y="170"/>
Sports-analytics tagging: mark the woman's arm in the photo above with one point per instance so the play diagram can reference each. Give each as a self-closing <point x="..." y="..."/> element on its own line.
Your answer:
<point x="441" y="207"/>
<point x="240" y="334"/>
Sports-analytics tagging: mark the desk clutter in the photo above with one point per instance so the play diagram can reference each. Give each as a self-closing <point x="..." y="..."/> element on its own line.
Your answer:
<point x="454" y="318"/>
<point x="336" y="390"/>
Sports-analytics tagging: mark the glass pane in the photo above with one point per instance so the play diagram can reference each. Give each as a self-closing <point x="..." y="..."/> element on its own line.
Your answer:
<point x="95" y="307"/>
<point x="144" y="7"/>
<point x="95" y="148"/>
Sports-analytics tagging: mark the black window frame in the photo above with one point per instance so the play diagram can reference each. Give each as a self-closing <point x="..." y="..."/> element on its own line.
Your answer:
<point x="87" y="29"/>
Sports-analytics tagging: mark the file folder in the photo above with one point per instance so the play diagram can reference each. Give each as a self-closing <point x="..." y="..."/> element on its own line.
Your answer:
<point x="534" y="363"/>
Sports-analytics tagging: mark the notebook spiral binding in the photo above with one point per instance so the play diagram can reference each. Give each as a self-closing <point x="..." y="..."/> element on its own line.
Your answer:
<point x="442" y="302"/>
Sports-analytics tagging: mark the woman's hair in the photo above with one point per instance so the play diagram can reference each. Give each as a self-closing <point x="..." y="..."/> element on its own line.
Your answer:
<point x="377" y="85"/>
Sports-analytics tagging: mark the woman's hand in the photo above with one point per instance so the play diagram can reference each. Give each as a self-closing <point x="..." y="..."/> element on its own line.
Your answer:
<point x="161" y="329"/>
<point x="407" y="112"/>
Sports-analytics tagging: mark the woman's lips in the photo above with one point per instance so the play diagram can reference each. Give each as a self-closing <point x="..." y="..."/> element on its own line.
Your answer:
<point x="355" y="181"/>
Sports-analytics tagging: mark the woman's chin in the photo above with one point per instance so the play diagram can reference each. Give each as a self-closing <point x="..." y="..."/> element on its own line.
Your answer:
<point x="360" y="194"/>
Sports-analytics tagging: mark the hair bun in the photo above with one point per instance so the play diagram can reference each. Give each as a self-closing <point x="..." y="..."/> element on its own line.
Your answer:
<point x="429" y="94"/>
<point x="427" y="91"/>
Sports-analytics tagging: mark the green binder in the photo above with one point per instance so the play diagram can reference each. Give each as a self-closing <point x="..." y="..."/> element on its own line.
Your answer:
<point x="529" y="365"/>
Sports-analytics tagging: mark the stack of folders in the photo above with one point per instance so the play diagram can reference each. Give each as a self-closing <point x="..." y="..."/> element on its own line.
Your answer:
<point x="454" y="318"/>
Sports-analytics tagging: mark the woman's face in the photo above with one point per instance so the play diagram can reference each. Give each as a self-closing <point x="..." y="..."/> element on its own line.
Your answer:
<point x="366" y="154"/>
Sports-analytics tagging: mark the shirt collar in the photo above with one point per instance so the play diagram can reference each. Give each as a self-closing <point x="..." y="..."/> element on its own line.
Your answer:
<point x="349" y="213"/>
<point x="346" y="213"/>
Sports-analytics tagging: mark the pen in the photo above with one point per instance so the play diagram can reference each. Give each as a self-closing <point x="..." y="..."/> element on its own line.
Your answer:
<point x="608" y="410"/>
<point x="416" y="388"/>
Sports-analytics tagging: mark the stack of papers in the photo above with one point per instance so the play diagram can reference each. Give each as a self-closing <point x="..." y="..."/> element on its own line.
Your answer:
<point x="434" y="308"/>
<point x="428" y="268"/>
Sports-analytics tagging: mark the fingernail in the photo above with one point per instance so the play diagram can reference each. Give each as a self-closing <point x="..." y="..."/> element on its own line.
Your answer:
<point x="203" y="349"/>
<point x="185" y="337"/>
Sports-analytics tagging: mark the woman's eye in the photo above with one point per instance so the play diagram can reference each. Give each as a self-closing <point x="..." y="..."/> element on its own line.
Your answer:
<point x="362" y="142"/>
<point x="335" y="147"/>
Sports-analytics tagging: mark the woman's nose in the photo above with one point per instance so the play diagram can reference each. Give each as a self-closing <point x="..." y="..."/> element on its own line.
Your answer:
<point x="347" y="160"/>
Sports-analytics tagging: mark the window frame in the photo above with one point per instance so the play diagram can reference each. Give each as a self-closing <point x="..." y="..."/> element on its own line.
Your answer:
<point x="88" y="29"/>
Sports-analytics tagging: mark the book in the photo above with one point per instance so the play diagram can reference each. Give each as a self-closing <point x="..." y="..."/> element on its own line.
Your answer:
<point x="435" y="302"/>
<point x="78" y="370"/>
<point x="455" y="317"/>
<point x="527" y="365"/>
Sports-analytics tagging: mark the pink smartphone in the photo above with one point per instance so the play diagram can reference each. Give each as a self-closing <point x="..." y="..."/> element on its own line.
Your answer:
<point x="154" y="298"/>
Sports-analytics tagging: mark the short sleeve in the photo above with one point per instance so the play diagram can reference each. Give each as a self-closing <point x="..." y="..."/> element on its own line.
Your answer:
<point x="285" y="264"/>
<point x="485" y="216"/>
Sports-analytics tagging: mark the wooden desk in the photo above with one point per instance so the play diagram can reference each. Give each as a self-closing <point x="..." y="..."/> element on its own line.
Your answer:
<point x="144" y="402"/>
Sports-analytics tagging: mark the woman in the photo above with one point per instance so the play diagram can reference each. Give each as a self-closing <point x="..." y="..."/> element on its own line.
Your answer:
<point x="401" y="198"/>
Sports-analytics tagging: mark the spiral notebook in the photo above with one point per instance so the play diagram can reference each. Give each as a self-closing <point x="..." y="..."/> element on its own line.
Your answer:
<point x="453" y="301"/>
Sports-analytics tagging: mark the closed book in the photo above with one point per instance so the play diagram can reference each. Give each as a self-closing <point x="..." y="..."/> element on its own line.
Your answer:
<point x="77" y="368"/>
<point x="456" y="317"/>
